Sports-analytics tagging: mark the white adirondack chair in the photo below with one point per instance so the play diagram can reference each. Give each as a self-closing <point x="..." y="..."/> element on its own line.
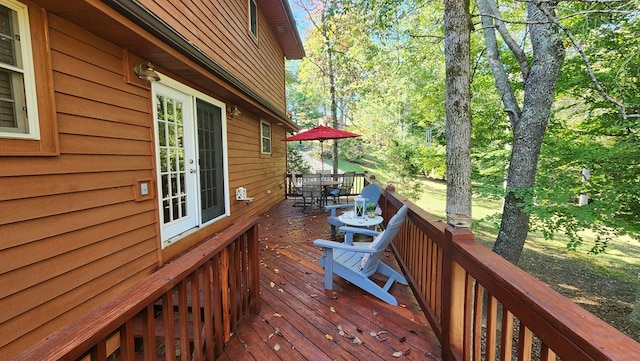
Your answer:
<point x="358" y="261"/>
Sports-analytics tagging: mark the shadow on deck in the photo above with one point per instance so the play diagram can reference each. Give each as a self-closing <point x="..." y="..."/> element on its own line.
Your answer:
<point x="300" y="320"/>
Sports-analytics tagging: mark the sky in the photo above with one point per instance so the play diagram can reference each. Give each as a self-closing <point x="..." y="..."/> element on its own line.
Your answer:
<point x="300" y="16"/>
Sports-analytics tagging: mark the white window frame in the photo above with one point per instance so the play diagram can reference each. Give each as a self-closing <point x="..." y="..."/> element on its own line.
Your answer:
<point x="30" y="100"/>
<point x="264" y="137"/>
<point x="253" y="17"/>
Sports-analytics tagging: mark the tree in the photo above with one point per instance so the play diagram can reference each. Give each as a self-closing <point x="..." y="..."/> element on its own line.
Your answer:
<point x="529" y="98"/>
<point x="529" y="121"/>
<point x="457" y="58"/>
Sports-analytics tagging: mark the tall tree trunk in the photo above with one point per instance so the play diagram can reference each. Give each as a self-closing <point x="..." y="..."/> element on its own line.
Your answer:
<point x="528" y="131"/>
<point x="332" y="93"/>
<point x="458" y="125"/>
<point x="334" y="107"/>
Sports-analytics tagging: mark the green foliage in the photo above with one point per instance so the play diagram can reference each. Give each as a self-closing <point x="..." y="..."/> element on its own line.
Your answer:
<point x="434" y="160"/>
<point x="295" y="162"/>
<point x="352" y="149"/>
<point x="388" y="63"/>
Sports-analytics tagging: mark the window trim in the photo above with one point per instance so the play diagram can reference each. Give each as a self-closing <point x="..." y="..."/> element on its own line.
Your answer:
<point x="47" y="143"/>
<point x="252" y="18"/>
<point x="263" y="137"/>
<point x="27" y="72"/>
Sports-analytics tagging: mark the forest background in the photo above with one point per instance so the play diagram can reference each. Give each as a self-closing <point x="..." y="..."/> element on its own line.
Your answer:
<point x="378" y="68"/>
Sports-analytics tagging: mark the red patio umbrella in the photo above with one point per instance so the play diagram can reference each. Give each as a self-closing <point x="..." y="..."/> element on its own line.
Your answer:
<point x="321" y="133"/>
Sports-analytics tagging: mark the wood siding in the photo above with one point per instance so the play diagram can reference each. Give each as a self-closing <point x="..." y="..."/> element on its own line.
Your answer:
<point x="220" y="29"/>
<point x="72" y="234"/>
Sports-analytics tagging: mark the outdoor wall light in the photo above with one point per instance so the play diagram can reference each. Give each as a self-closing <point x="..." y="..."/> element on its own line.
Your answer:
<point x="233" y="110"/>
<point x="145" y="71"/>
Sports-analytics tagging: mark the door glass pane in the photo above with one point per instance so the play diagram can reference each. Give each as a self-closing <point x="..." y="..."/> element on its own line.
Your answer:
<point x="210" y="158"/>
<point x="171" y="151"/>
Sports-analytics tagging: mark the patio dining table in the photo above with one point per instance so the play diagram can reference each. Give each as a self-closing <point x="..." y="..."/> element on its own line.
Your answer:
<point x="317" y="188"/>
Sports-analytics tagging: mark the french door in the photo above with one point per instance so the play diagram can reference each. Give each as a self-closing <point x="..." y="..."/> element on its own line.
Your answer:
<point x="191" y="161"/>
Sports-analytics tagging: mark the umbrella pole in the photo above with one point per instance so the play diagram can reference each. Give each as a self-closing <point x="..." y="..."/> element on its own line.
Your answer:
<point x="322" y="156"/>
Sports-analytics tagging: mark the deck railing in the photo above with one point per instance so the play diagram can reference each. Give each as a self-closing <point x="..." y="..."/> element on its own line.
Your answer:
<point x="184" y="311"/>
<point x="358" y="183"/>
<point x="482" y="307"/>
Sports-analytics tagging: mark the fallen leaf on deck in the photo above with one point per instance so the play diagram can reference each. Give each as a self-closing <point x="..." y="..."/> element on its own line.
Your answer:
<point x="357" y="341"/>
<point x="277" y="315"/>
<point x="276" y="270"/>
<point x="403" y="305"/>
<point x="313" y="295"/>
<point x="375" y="313"/>
<point x="270" y="335"/>
<point x="403" y="339"/>
<point x="276" y="347"/>
<point x="398" y="354"/>
<point x="272" y="284"/>
<point x="328" y="337"/>
<point x="359" y="329"/>
<point x="281" y="290"/>
<point x="332" y="309"/>
<point x="340" y="330"/>
<point x="374" y="334"/>
<point x="407" y="352"/>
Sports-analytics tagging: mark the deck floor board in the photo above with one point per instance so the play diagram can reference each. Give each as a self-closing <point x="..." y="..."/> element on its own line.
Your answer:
<point x="298" y="314"/>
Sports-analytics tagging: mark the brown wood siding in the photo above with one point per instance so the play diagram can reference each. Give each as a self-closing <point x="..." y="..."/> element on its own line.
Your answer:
<point x="260" y="173"/>
<point x="72" y="234"/>
<point x="220" y="29"/>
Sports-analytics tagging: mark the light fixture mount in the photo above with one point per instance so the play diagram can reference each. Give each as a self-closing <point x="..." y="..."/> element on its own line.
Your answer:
<point x="145" y="71"/>
<point x="233" y="110"/>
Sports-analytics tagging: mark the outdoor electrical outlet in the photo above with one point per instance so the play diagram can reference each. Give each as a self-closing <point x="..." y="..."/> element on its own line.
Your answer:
<point x="144" y="189"/>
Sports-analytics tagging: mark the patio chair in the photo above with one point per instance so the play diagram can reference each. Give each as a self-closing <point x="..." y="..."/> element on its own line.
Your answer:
<point x="371" y="192"/>
<point x="345" y="187"/>
<point x="295" y="189"/>
<point x="311" y="190"/>
<point x="358" y="261"/>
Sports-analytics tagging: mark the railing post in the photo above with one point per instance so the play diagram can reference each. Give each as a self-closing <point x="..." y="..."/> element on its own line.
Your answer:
<point x="254" y="270"/>
<point x="385" y="207"/>
<point x="453" y="297"/>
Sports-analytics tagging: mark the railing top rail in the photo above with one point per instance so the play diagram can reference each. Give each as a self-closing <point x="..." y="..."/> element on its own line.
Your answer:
<point x="74" y="339"/>
<point x="569" y="330"/>
<point x="556" y="320"/>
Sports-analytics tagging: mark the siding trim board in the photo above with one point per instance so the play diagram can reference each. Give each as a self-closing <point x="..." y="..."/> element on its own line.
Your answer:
<point x="142" y="17"/>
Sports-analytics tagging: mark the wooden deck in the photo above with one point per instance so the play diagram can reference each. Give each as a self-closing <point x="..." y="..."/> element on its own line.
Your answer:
<point x="300" y="320"/>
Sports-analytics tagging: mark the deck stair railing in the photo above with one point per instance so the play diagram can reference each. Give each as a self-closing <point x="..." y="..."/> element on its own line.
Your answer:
<point x="184" y="311"/>
<point x="482" y="307"/>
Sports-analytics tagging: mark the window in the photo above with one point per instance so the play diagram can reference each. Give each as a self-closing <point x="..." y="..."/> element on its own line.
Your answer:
<point x="253" y="18"/>
<point x="191" y="157"/>
<point x="17" y="84"/>
<point x="265" y="135"/>
<point x="28" y="120"/>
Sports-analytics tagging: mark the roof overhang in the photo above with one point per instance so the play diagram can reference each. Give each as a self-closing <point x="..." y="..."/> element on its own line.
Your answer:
<point x="283" y="25"/>
<point x="130" y="25"/>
